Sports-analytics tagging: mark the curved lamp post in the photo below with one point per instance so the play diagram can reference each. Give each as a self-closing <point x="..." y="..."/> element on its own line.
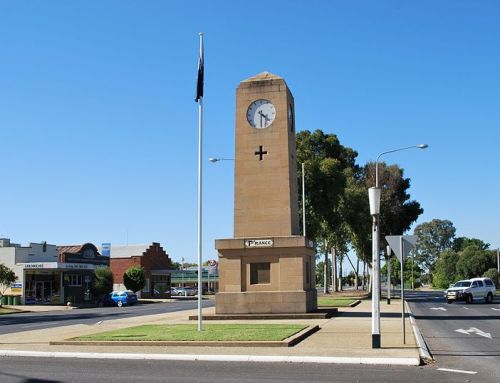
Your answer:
<point x="214" y="160"/>
<point x="374" y="197"/>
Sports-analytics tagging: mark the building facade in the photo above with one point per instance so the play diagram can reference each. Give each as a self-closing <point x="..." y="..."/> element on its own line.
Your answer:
<point x="47" y="274"/>
<point x="155" y="261"/>
<point x="189" y="278"/>
<point x="77" y="279"/>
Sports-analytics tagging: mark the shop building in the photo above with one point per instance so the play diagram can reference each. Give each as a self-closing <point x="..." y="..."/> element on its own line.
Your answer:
<point x="189" y="278"/>
<point x="47" y="274"/>
<point x="79" y="263"/>
<point x="155" y="261"/>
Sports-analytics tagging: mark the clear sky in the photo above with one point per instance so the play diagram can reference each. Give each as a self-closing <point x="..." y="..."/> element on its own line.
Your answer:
<point x="98" y="126"/>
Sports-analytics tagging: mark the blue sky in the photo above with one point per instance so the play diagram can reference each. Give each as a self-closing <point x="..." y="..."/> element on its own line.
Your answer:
<point x="98" y="126"/>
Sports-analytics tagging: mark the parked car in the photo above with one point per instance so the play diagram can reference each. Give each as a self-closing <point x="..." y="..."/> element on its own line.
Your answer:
<point x="183" y="291"/>
<point x="123" y="298"/>
<point x="106" y="301"/>
<point x="472" y="289"/>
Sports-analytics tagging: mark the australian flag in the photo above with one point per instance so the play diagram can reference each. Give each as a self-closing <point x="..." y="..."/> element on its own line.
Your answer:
<point x="199" y="84"/>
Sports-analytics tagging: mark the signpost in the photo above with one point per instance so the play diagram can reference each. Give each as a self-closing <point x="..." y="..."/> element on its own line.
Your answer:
<point x="401" y="245"/>
<point x="388" y="274"/>
<point x="212" y="268"/>
<point x="106" y="249"/>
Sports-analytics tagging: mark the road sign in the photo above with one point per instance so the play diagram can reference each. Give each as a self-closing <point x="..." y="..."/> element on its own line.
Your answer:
<point x="409" y="242"/>
<point x="401" y="245"/>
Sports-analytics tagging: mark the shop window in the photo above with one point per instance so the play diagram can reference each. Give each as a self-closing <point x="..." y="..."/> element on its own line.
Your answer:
<point x="260" y="273"/>
<point x="74" y="280"/>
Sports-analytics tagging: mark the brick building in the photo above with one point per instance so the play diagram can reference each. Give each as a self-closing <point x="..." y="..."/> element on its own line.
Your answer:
<point x="152" y="258"/>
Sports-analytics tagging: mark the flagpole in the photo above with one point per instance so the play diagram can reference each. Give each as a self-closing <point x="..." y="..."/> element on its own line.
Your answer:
<point x="200" y="147"/>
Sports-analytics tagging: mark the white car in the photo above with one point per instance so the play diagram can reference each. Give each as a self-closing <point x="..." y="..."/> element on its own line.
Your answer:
<point x="472" y="289"/>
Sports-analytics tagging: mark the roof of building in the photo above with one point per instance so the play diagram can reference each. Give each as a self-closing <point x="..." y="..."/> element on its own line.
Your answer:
<point x="263" y="76"/>
<point x="73" y="249"/>
<point x="69" y="249"/>
<point x="128" y="251"/>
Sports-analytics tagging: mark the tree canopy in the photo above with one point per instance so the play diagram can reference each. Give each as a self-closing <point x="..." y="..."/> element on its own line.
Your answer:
<point x="7" y="276"/>
<point x="102" y="282"/>
<point x="134" y="278"/>
<point x="433" y="238"/>
<point x="327" y="167"/>
<point x="460" y="243"/>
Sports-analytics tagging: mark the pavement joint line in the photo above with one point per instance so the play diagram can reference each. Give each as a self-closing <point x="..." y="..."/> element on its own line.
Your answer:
<point x="217" y="358"/>
<point x="423" y="350"/>
<point x="458" y="371"/>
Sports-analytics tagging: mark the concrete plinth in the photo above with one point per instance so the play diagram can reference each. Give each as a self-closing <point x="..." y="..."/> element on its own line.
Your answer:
<point x="289" y="280"/>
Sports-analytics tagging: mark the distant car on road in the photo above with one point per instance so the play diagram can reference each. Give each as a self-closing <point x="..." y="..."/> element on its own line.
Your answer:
<point x="183" y="291"/>
<point x="124" y="298"/>
<point x="471" y="289"/>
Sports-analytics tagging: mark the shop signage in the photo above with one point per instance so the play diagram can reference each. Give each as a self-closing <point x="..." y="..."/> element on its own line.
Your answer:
<point x="96" y="260"/>
<point x="40" y="265"/>
<point x="106" y="249"/>
<point x="259" y="243"/>
<point x="58" y="265"/>
<point x="16" y="288"/>
<point x="212" y="264"/>
<point x="76" y="266"/>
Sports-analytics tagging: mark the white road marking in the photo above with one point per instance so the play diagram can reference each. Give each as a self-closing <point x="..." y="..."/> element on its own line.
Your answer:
<point x="495" y="309"/>
<point x="459" y="371"/>
<point x="218" y="357"/>
<point x="438" y="308"/>
<point x="465" y="308"/>
<point x="38" y="324"/>
<point x="475" y="331"/>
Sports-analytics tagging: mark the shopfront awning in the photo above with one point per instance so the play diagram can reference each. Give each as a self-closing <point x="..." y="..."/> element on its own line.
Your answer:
<point x="61" y="266"/>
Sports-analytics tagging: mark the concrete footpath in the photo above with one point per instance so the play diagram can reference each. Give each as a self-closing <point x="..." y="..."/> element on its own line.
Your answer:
<point x="345" y="338"/>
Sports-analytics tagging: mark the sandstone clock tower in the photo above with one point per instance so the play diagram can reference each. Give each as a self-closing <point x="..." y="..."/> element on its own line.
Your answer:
<point x="268" y="267"/>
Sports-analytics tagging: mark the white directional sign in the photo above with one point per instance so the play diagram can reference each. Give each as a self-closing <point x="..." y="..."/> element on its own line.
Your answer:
<point x="438" y="308"/>
<point x="409" y="242"/>
<point x="474" y="330"/>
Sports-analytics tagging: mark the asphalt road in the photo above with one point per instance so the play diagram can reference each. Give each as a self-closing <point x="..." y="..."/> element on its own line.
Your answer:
<point x="52" y="370"/>
<point x="41" y="320"/>
<point x="460" y="336"/>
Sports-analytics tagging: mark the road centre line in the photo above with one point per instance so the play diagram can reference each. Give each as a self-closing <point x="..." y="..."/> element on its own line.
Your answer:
<point x="458" y="371"/>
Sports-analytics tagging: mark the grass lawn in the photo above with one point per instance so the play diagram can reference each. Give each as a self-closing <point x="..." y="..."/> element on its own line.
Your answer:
<point x="189" y="332"/>
<point x="3" y="310"/>
<point x="336" y="302"/>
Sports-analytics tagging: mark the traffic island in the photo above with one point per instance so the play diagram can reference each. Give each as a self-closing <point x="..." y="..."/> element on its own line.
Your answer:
<point x="218" y="335"/>
<point x="327" y="302"/>
<point x="322" y="313"/>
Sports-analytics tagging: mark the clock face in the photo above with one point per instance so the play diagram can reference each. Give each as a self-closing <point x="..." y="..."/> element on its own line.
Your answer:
<point x="261" y="114"/>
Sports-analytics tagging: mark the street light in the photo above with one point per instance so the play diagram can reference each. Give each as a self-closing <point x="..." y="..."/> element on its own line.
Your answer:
<point x="214" y="160"/>
<point x="374" y="198"/>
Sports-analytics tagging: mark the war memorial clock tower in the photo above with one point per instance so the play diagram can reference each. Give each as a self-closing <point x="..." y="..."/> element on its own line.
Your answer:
<point x="268" y="267"/>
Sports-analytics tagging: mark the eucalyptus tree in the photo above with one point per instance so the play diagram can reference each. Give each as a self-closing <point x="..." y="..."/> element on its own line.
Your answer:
<point x="434" y="237"/>
<point x="397" y="210"/>
<point x="327" y="167"/>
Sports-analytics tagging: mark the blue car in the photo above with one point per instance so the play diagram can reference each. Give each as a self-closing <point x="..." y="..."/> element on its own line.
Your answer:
<point x="124" y="298"/>
<point x="106" y="300"/>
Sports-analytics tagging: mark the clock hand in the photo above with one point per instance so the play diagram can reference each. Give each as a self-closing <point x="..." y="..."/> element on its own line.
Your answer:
<point x="261" y="115"/>
<point x="265" y="118"/>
